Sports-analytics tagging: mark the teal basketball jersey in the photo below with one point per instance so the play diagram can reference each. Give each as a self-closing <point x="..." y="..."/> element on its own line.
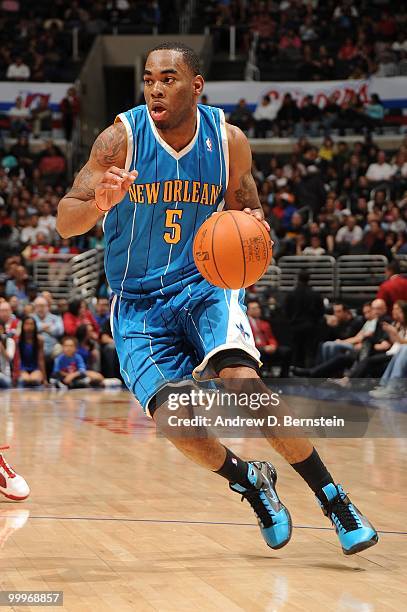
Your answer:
<point x="149" y="234"/>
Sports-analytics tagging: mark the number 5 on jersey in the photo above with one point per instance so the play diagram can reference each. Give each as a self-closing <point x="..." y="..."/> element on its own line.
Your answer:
<point x="171" y="217"/>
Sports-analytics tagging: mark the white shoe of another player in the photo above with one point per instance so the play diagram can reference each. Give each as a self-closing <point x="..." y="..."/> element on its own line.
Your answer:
<point x="12" y="485"/>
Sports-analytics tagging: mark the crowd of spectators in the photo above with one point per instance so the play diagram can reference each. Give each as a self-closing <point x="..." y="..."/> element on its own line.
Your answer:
<point x="300" y="336"/>
<point x="63" y="344"/>
<point x="36" y="42"/>
<point x="287" y="117"/>
<point x="325" y="39"/>
<point x="34" y="116"/>
<point x="336" y="199"/>
<point x="31" y="185"/>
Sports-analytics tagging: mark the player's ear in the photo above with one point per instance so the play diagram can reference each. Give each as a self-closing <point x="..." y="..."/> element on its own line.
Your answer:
<point x="198" y="85"/>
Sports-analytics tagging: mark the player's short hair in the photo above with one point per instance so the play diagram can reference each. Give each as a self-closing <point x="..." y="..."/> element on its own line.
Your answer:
<point x="189" y="56"/>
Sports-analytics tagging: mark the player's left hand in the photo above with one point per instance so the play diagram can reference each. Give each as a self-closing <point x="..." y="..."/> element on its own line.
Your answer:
<point x="259" y="216"/>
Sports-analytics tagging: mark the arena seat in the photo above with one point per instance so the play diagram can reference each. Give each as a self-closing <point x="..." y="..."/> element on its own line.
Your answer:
<point x="402" y="259"/>
<point x="270" y="280"/>
<point x="358" y="277"/>
<point x="321" y="270"/>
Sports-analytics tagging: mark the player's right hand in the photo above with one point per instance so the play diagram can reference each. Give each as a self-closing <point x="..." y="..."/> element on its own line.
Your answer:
<point x="113" y="186"/>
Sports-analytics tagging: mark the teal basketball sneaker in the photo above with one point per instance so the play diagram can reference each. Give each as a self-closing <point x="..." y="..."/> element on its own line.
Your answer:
<point x="272" y="516"/>
<point x="354" y="531"/>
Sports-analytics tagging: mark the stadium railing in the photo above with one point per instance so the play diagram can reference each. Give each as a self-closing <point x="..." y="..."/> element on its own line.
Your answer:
<point x="359" y="276"/>
<point x="321" y="270"/>
<point x="68" y="276"/>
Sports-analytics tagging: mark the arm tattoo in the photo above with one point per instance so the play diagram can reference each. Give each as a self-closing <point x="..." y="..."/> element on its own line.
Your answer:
<point x="109" y="145"/>
<point x="246" y="195"/>
<point x="108" y="150"/>
<point x="81" y="189"/>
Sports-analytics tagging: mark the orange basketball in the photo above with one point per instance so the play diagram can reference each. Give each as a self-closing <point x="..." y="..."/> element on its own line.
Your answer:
<point x="232" y="249"/>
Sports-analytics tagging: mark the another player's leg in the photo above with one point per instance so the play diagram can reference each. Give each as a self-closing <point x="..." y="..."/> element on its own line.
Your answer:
<point x="354" y="531"/>
<point x="253" y="480"/>
<point x="12" y="485"/>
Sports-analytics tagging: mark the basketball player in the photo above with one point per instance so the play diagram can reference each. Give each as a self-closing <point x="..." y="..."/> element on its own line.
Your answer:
<point x="156" y="175"/>
<point x="12" y="485"/>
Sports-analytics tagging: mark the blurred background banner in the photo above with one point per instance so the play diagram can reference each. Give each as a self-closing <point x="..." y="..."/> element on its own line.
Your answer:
<point x="31" y="92"/>
<point x="393" y="92"/>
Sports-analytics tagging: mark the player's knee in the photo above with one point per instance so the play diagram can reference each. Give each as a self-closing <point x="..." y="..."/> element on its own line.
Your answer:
<point x="237" y="372"/>
<point x="235" y="363"/>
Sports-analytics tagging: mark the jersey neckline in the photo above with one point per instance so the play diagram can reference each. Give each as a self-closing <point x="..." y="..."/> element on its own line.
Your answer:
<point x="176" y="154"/>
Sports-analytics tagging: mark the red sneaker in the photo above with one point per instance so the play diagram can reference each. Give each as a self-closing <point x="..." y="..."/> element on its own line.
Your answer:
<point x="12" y="485"/>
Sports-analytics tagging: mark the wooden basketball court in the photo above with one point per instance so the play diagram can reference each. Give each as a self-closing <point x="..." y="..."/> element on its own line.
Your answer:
<point x="120" y="521"/>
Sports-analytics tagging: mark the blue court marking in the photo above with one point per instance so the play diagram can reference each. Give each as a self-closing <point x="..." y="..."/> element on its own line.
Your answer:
<point x="177" y="521"/>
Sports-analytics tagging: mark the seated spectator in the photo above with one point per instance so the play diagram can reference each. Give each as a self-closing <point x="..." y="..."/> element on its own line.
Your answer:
<point x="264" y="116"/>
<point x="47" y="221"/>
<point x="365" y="343"/>
<point x="383" y="347"/>
<point x="110" y="360"/>
<point x="18" y="71"/>
<point x="380" y="171"/>
<point x="52" y="164"/>
<point x="374" y="240"/>
<point x="51" y="328"/>
<point x="39" y="249"/>
<point x="347" y="51"/>
<point x="88" y="348"/>
<point x="290" y="44"/>
<point x="19" y="117"/>
<point x="69" y="367"/>
<point x="308" y="30"/>
<point x="9" y="239"/>
<point x="31" y="370"/>
<point x="18" y="286"/>
<point x="393" y="381"/>
<point x="331" y="113"/>
<point x="400" y="247"/>
<point x="271" y="353"/>
<point x="242" y="116"/>
<point x="8" y="319"/>
<point x="70" y="111"/>
<point x="309" y="115"/>
<point x="394" y="287"/>
<point x="315" y="248"/>
<point x="79" y="314"/>
<point x="62" y="307"/>
<point x="29" y="234"/>
<point x="16" y="306"/>
<point x="400" y="44"/>
<point x="349" y="236"/>
<point x="327" y="151"/>
<point x="375" y="111"/>
<point x="287" y="115"/>
<point x="397" y="224"/>
<point x="7" y="353"/>
<point x="41" y="117"/>
<point x="342" y="331"/>
<point x="21" y="150"/>
<point x="387" y="67"/>
<point x="102" y="311"/>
